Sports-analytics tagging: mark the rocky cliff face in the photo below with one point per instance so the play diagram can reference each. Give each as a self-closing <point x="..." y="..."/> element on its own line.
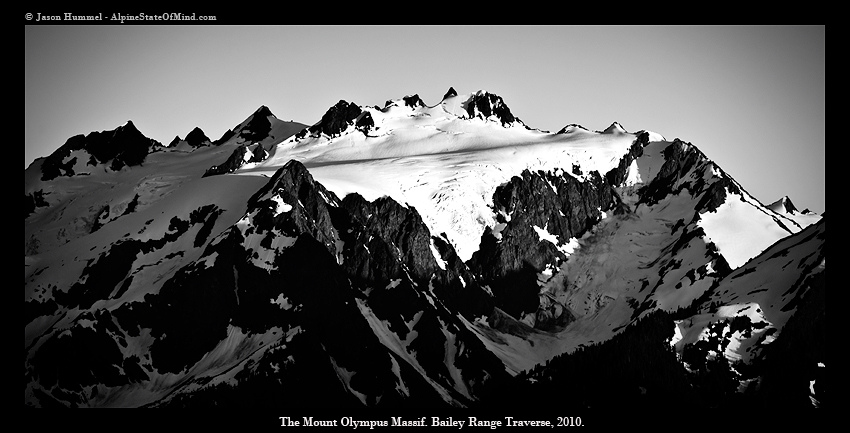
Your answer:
<point x="537" y="214"/>
<point x="529" y="206"/>
<point x="488" y="104"/>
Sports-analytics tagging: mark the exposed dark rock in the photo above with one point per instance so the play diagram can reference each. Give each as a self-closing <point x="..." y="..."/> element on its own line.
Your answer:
<point x="617" y="175"/>
<point x="310" y="201"/>
<point x="258" y="127"/>
<point x="123" y="146"/>
<point x="327" y="307"/>
<point x="337" y="119"/>
<point x="54" y="166"/>
<point x="197" y="138"/>
<point x="577" y="170"/>
<point x="559" y="204"/>
<point x="450" y="93"/>
<point x="86" y="356"/>
<point x="680" y="160"/>
<point x="413" y="101"/>
<point x="365" y="122"/>
<point x="488" y="104"/>
<point x="388" y="254"/>
<point x="237" y="160"/>
<point x="458" y="287"/>
<point x="191" y="312"/>
<point x="224" y="137"/>
<point x="789" y="207"/>
<point x="401" y="231"/>
<point x="715" y="194"/>
<point x="509" y="261"/>
<point x="34" y="200"/>
<point x="332" y="334"/>
<point x="131" y="207"/>
<point x="34" y="309"/>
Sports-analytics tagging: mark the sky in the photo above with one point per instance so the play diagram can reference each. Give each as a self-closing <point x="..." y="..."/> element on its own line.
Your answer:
<point x="752" y="98"/>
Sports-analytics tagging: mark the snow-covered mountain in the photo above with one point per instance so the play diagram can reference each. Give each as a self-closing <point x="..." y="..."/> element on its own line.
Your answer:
<point x="410" y="255"/>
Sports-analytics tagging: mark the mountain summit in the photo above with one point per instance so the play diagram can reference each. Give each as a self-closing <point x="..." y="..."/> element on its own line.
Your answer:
<point x="414" y="255"/>
<point x="121" y="147"/>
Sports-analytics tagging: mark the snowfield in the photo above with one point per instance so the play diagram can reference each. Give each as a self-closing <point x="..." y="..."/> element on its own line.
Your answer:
<point x="442" y="163"/>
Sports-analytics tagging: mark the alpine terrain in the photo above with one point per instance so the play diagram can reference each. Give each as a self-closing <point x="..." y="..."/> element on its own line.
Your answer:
<point x="414" y="256"/>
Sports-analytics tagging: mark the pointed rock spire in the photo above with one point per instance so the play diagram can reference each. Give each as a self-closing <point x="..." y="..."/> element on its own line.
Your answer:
<point x="197" y="138"/>
<point x="450" y="93"/>
<point x="263" y="111"/>
<point x="789" y="207"/>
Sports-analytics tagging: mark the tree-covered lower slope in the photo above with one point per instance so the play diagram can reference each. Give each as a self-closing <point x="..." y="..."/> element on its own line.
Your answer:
<point x="639" y="371"/>
<point x="637" y="367"/>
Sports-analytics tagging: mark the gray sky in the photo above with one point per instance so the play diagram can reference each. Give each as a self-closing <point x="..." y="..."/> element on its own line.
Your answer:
<point x="752" y="98"/>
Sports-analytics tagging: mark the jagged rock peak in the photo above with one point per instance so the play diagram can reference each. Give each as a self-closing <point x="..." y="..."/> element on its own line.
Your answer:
<point x="129" y="125"/>
<point x="337" y="118"/>
<point x="788" y="205"/>
<point x="292" y="176"/>
<point x="122" y="146"/>
<point x="126" y="130"/>
<point x="263" y="111"/>
<point x="487" y="104"/>
<point x="294" y="184"/>
<point x="197" y="138"/>
<point x="450" y="93"/>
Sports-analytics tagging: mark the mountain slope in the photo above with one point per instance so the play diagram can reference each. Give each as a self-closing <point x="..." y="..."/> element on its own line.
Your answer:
<point x="410" y="255"/>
